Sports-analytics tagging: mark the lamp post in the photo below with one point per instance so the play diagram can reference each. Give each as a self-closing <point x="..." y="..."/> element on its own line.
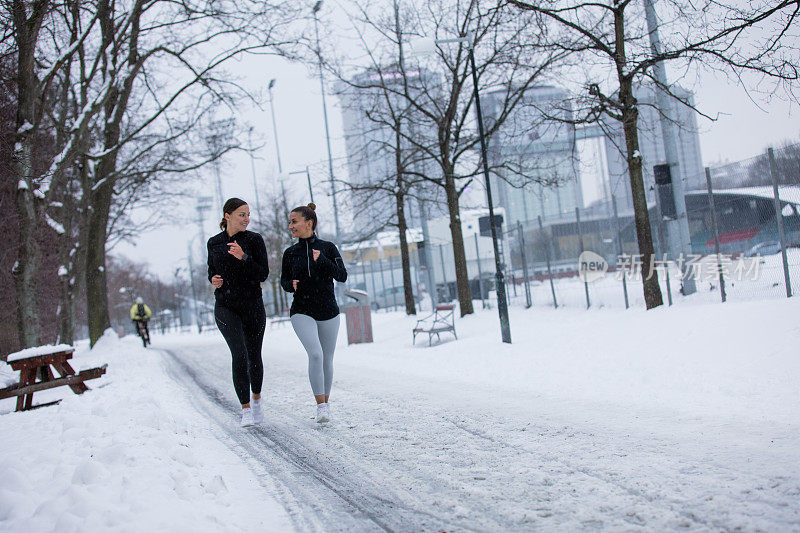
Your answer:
<point x="316" y="9"/>
<point x="308" y="177"/>
<point x="274" y="124"/>
<point x="253" y="168"/>
<point x="427" y="46"/>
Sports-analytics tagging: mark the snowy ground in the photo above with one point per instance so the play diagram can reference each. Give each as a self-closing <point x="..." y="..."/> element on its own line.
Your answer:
<point x="683" y="417"/>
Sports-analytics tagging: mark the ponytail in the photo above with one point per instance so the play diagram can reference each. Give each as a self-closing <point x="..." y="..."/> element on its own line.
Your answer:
<point x="231" y="205"/>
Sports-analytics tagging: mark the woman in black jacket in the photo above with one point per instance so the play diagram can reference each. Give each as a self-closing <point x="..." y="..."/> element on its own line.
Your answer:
<point x="237" y="264"/>
<point x="308" y="270"/>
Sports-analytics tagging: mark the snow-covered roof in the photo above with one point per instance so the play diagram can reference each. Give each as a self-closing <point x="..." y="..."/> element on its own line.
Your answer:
<point x="38" y="350"/>
<point x="787" y="193"/>
<point x="385" y="238"/>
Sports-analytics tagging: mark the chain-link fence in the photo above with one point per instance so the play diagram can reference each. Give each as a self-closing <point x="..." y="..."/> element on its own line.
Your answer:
<point x="744" y="229"/>
<point x="745" y="244"/>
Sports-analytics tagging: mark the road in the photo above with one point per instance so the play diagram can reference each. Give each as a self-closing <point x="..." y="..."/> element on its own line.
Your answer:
<point x="433" y="456"/>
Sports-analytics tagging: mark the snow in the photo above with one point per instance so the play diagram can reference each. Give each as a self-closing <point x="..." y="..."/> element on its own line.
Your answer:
<point x="57" y="227"/>
<point x="680" y="417"/>
<point x="22" y="185"/>
<point x="38" y="350"/>
<point x="8" y="376"/>
<point x="385" y="238"/>
<point x="25" y="127"/>
<point x="131" y="454"/>
<point x="62" y="271"/>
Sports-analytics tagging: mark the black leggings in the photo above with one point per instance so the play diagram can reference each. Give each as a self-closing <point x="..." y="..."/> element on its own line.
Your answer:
<point x="244" y="332"/>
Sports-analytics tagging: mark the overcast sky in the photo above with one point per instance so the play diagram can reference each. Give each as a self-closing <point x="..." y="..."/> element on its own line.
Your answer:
<point x="744" y="128"/>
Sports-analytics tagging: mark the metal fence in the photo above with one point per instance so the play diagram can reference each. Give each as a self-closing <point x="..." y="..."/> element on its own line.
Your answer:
<point x="745" y="244"/>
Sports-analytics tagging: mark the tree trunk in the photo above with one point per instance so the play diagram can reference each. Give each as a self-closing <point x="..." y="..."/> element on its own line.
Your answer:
<point x="644" y="235"/>
<point x="275" y="289"/>
<point x="459" y="256"/>
<point x="66" y="275"/>
<point x="96" y="288"/>
<point x="402" y="226"/>
<point x="411" y="308"/>
<point x="29" y="252"/>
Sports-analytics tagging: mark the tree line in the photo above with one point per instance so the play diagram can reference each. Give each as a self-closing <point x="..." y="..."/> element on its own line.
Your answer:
<point x="105" y="105"/>
<point x="420" y="111"/>
<point x="110" y="103"/>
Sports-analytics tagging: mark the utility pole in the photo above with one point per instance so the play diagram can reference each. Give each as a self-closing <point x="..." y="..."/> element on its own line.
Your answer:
<point x="678" y="229"/>
<point x="317" y="7"/>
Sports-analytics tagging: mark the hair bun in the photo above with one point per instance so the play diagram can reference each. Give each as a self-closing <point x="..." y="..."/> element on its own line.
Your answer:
<point x="312" y="205"/>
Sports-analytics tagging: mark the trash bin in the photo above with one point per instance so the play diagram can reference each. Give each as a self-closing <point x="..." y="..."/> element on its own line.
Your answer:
<point x="358" y="317"/>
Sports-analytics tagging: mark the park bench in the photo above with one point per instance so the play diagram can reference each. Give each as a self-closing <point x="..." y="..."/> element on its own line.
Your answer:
<point x="34" y="363"/>
<point x="440" y="321"/>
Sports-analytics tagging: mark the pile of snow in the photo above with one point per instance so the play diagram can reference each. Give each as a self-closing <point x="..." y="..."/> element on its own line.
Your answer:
<point x="130" y="454"/>
<point x="38" y="350"/>
<point x="8" y="376"/>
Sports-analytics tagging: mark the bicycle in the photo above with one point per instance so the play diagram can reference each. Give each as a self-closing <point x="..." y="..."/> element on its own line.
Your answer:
<point x="142" y="331"/>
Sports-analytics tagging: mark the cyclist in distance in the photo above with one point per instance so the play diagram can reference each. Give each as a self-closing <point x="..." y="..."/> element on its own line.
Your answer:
<point x="140" y="314"/>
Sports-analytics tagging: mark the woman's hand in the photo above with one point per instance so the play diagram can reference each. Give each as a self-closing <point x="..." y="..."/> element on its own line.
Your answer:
<point x="235" y="250"/>
<point x="216" y="281"/>
<point x="294" y="283"/>
<point x="315" y="254"/>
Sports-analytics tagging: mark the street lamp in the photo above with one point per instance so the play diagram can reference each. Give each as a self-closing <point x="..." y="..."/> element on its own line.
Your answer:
<point x="316" y="9"/>
<point x="427" y="46"/>
<point x="274" y="125"/>
<point x="253" y="168"/>
<point x="308" y="178"/>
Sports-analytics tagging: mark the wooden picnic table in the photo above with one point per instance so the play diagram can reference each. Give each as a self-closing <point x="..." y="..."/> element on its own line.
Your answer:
<point x="39" y="363"/>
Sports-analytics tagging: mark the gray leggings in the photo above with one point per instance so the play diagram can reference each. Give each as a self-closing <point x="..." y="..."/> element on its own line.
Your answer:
<point x="319" y="340"/>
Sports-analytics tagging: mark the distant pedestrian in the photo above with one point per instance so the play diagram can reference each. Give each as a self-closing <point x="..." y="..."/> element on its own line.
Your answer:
<point x="308" y="270"/>
<point x="237" y="264"/>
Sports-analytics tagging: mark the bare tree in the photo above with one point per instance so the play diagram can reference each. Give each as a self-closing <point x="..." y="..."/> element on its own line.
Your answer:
<point x="385" y="112"/>
<point x="435" y="120"/>
<point x="34" y="77"/>
<point x="273" y="226"/>
<point x="787" y="165"/>
<point x="136" y="80"/>
<point x="610" y="36"/>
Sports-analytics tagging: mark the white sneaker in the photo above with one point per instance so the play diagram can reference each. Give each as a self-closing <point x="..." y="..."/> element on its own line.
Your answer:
<point x="323" y="413"/>
<point x="247" y="417"/>
<point x="258" y="413"/>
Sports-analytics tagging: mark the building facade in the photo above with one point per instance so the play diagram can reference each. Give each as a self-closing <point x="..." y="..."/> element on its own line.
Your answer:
<point x="651" y="146"/>
<point x="368" y="111"/>
<point x="534" y="155"/>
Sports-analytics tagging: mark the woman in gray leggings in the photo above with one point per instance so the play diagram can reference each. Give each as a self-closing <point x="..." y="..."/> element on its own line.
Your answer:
<point x="308" y="270"/>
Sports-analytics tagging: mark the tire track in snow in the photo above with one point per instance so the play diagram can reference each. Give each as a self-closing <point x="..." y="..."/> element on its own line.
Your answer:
<point x="317" y="498"/>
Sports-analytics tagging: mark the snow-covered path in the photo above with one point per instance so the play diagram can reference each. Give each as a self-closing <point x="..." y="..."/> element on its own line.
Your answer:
<point x="607" y="419"/>
<point x="436" y="439"/>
